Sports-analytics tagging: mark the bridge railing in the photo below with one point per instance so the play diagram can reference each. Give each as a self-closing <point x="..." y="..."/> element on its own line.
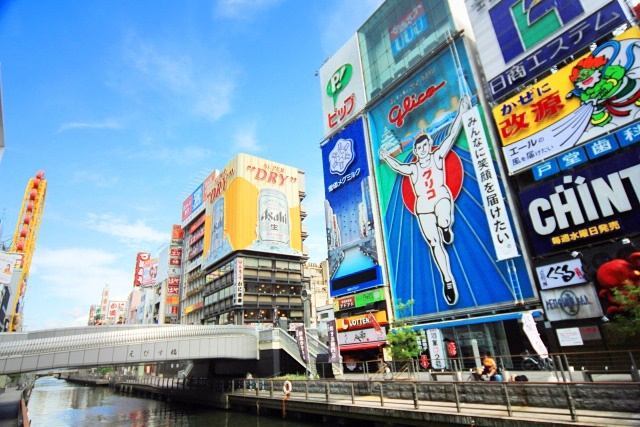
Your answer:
<point x="116" y="337"/>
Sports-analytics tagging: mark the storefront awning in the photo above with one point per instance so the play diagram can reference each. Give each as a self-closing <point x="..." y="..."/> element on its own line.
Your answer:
<point x="474" y="320"/>
<point x="363" y="346"/>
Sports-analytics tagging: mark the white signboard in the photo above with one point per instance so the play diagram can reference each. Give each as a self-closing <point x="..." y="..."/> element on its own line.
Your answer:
<point x="342" y="86"/>
<point x="576" y="302"/>
<point x="239" y="276"/>
<point x="495" y="209"/>
<point x="436" y="349"/>
<point x="530" y="329"/>
<point x="561" y="274"/>
<point x="7" y="264"/>
<point x="569" y="336"/>
<point x="361" y="336"/>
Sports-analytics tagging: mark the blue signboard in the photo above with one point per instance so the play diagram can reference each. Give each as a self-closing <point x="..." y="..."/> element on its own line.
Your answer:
<point x="572" y="158"/>
<point x="353" y="255"/>
<point x="560" y="48"/>
<point x="601" y="146"/>
<point x="438" y="242"/>
<point x="545" y="169"/>
<point x="628" y="135"/>
<point x="586" y="206"/>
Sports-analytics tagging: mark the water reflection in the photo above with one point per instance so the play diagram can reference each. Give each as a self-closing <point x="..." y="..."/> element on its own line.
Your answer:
<point x="56" y="403"/>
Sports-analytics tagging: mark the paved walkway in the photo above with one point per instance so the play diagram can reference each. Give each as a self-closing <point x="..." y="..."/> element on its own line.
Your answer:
<point x="10" y="407"/>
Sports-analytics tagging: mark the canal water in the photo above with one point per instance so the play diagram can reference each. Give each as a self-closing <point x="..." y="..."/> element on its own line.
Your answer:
<point x="56" y="403"/>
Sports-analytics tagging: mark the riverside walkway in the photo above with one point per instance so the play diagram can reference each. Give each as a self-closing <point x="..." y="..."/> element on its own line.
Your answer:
<point x="412" y="402"/>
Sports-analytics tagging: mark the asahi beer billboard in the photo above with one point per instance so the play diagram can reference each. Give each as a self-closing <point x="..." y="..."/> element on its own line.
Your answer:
<point x="584" y="206"/>
<point x="594" y="95"/>
<point x="351" y="230"/>
<point x="252" y="204"/>
<point x="431" y="205"/>
<point x="342" y="86"/>
<point x="518" y="40"/>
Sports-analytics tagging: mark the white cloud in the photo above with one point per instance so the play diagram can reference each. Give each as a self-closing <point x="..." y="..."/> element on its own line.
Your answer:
<point x="105" y="124"/>
<point x="73" y="278"/>
<point x="245" y="139"/>
<point x="170" y="72"/>
<point x="342" y="21"/>
<point x="137" y="231"/>
<point x="243" y="9"/>
<point x="95" y="178"/>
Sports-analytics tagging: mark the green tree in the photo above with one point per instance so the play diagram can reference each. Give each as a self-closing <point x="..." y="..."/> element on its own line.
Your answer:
<point x="403" y="343"/>
<point x="627" y="323"/>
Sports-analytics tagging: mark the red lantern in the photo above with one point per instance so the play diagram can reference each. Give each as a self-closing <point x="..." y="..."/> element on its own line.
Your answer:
<point x="33" y="194"/>
<point x="30" y="207"/>
<point x="24" y="231"/>
<point x="27" y="219"/>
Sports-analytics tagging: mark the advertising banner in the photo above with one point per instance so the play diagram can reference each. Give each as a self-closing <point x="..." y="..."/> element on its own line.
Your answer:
<point x="150" y="271"/>
<point x="531" y="331"/>
<point x="520" y="40"/>
<point x="351" y="235"/>
<point x="192" y="205"/>
<point x="303" y="346"/>
<point x="361" y="321"/>
<point x="398" y="35"/>
<point x="139" y="273"/>
<point x="358" y="300"/>
<point x="436" y="348"/>
<point x="342" y="86"/>
<point x="592" y="96"/>
<point x="116" y="309"/>
<point x="594" y="203"/>
<point x="495" y="209"/>
<point x="253" y="204"/>
<point x="362" y="336"/>
<point x="561" y="274"/>
<point x="7" y="265"/>
<point x="333" y="344"/>
<point x="239" y="281"/>
<point x="431" y="204"/>
<point x="177" y="233"/>
<point x="576" y="302"/>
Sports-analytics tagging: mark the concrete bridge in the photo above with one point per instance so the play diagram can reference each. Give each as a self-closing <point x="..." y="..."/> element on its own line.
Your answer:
<point x="93" y="346"/>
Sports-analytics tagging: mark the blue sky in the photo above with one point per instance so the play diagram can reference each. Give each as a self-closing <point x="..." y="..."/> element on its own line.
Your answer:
<point x="127" y="106"/>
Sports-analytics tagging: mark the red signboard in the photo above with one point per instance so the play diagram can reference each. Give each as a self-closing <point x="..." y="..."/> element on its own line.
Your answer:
<point x="140" y="259"/>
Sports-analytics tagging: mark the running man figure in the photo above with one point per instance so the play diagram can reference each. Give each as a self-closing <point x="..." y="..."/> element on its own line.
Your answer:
<point x="434" y="203"/>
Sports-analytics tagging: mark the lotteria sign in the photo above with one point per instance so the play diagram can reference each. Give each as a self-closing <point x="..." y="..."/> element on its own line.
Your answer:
<point x="585" y="206"/>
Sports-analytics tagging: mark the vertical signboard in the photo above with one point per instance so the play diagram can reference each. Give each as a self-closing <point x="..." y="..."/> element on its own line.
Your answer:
<point x="342" y="86"/>
<point x="141" y="258"/>
<point x="150" y="271"/>
<point x="351" y="234"/>
<point x="432" y="206"/>
<point x="253" y="204"/>
<point x="239" y="281"/>
<point x="519" y="40"/>
<point x="333" y="344"/>
<point x="9" y="280"/>
<point x="303" y="346"/>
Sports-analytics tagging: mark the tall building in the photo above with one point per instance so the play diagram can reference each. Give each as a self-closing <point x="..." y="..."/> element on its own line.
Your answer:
<point x="474" y="210"/>
<point x="243" y="257"/>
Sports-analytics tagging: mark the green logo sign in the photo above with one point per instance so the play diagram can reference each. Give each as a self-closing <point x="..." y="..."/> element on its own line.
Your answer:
<point x="338" y="81"/>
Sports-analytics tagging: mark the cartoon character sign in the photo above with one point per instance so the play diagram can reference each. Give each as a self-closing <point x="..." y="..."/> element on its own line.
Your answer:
<point x="592" y="96"/>
<point x="608" y="78"/>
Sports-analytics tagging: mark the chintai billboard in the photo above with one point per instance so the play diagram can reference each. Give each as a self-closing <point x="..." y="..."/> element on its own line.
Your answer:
<point x="436" y="190"/>
<point x="351" y="236"/>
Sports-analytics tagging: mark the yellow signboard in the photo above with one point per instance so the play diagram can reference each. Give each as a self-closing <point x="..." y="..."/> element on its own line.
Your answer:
<point x="592" y="96"/>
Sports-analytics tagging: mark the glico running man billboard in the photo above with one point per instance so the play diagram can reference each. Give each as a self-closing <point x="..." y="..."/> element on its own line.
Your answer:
<point x="252" y="204"/>
<point x="438" y="239"/>
<point x="351" y="237"/>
